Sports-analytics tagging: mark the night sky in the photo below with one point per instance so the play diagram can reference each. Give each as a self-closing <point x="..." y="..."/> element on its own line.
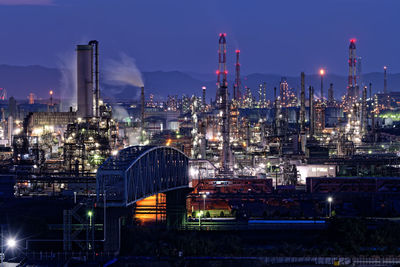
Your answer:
<point x="282" y="37"/>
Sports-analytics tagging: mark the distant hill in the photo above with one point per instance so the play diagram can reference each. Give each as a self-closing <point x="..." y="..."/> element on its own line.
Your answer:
<point x="19" y="81"/>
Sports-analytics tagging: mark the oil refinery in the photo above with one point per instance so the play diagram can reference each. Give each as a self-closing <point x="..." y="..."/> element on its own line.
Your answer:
<point x="239" y="161"/>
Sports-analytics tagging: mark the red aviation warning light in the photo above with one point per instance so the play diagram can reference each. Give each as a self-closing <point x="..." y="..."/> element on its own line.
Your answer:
<point x="353" y="43"/>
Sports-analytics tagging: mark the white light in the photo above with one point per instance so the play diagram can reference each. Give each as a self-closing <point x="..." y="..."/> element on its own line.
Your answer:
<point x="330" y="199"/>
<point x="11" y="243"/>
<point x="193" y="172"/>
<point x="114" y="152"/>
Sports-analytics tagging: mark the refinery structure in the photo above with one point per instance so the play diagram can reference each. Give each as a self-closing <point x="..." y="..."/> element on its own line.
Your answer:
<point x="240" y="155"/>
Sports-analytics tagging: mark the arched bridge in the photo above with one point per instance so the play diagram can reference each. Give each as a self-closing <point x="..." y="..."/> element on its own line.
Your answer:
<point x="138" y="172"/>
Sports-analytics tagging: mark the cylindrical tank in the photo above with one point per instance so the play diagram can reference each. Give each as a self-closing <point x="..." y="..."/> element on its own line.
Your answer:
<point x="85" y="80"/>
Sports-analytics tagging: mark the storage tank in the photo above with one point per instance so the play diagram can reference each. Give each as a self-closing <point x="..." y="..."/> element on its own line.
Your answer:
<point x="85" y="80"/>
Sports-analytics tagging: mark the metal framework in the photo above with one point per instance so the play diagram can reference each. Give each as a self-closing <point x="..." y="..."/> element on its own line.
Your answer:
<point x="352" y="87"/>
<point x="138" y="172"/>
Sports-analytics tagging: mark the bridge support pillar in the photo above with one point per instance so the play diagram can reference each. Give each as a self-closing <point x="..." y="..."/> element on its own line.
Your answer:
<point x="176" y="207"/>
<point x="115" y="217"/>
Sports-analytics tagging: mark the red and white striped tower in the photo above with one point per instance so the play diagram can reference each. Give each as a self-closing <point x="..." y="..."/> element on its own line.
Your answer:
<point x="222" y="60"/>
<point x="352" y="86"/>
<point x="223" y="104"/>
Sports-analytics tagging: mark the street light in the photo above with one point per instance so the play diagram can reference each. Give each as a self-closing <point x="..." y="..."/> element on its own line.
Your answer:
<point x="90" y="214"/>
<point x="330" y="200"/>
<point x="200" y="214"/>
<point x="90" y="245"/>
<point x="10" y="243"/>
<point x="204" y="202"/>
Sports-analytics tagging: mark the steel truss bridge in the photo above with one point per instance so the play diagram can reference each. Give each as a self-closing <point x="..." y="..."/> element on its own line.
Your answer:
<point x="138" y="172"/>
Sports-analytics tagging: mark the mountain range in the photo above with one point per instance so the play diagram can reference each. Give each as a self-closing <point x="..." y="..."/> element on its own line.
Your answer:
<point x="20" y="81"/>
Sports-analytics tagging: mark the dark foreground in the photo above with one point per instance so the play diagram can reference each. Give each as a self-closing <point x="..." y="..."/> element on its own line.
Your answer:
<point x="345" y="237"/>
<point x="225" y="261"/>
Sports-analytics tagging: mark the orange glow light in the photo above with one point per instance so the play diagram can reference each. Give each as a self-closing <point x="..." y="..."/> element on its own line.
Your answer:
<point x="322" y="72"/>
<point x="145" y="209"/>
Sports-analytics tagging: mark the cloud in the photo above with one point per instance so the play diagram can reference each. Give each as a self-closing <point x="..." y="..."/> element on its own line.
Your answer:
<point x="26" y="2"/>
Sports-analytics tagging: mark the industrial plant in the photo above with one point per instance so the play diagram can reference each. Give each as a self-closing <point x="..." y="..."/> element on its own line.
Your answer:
<point x="241" y="161"/>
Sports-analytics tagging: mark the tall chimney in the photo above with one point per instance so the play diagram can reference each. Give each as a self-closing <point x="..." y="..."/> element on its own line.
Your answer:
<point x="370" y="91"/>
<point x="203" y="100"/>
<point x="372" y="119"/>
<point x="95" y="43"/>
<point x="142" y="107"/>
<point x="278" y="116"/>
<point x="322" y="72"/>
<point x="10" y="129"/>
<point x="311" y="104"/>
<point x="237" y="85"/>
<point x="330" y="94"/>
<point x="364" y="111"/>
<point x="385" y="80"/>
<point x="302" y="104"/>
<point x="265" y="95"/>
<point x="85" y="80"/>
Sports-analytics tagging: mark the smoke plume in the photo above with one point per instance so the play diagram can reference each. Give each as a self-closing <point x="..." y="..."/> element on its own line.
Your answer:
<point x="68" y="82"/>
<point x="123" y="72"/>
<point x="119" y="113"/>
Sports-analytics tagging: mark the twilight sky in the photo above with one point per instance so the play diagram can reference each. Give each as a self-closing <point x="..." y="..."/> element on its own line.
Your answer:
<point x="282" y="37"/>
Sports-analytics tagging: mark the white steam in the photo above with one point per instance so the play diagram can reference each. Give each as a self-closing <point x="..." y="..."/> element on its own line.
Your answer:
<point x="120" y="113"/>
<point x="123" y="72"/>
<point x="68" y="81"/>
